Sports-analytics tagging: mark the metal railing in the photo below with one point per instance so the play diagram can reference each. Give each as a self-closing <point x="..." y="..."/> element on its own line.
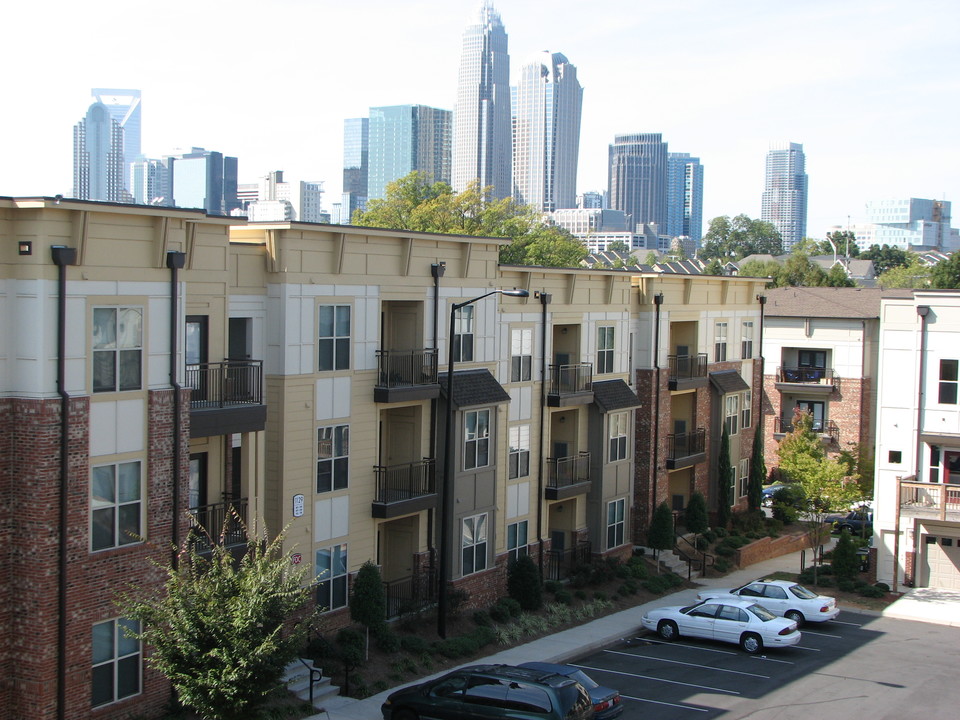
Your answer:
<point x="566" y="379"/>
<point x="683" y="445"/>
<point x="567" y="471"/>
<point x="410" y="594"/>
<point x="826" y="429"/>
<point x="222" y="523"/>
<point x="561" y="563"/>
<point x="406" y="368"/>
<point x="696" y="559"/>
<point x="395" y="483"/>
<point x="933" y="497"/>
<point x="687" y="367"/>
<point x="222" y="384"/>
<point x="808" y="375"/>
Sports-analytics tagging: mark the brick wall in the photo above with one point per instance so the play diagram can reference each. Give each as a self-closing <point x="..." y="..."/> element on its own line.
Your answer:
<point x="766" y="548"/>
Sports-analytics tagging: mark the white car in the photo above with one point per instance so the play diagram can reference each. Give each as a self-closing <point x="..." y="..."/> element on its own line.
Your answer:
<point x="746" y="623"/>
<point x="781" y="597"/>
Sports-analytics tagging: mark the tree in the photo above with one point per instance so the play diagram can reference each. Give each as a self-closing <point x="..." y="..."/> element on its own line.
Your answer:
<point x="660" y="532"/>
<point x="946" y="274"/>
<point x="846" y="243"/>
<point x="714" y="267"/>
<point x="913" y="275"/>
<point x="652" y="258"/>
<point x="728" y="239"/>
<point x="217" y="627"/>
<point x="618" y="246"/>
<point x="837" y="277"/>
<point x="759" y="268"/>
<point x="799" y="270"/>
<point x="885" y="258"/>
<point x="724" y="479"/>
<point x="696" y="518"/>
<point x="524" y="584"/>
<point x="368" y="602"/>
<point x="758" y="473"/>
<point x="845" y="563"/>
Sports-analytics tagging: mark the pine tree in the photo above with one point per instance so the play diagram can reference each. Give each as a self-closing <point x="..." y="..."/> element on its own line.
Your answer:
<point x="724" y="473"/>
<point x="758" y="473"/>
<point x="523" y="583"/>
<point x="368" y="601"/>
<point x="660" y="533"/>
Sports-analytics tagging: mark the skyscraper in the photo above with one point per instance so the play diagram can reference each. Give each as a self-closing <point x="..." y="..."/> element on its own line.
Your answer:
<point x="684" y="196"/>
<point x="124" y="107"/>
<point x="311" y="202"/>
<point x="204" y="179"/>
<point x="546" y="133"/>
<point x="356" y="165"/>
<point x="404" y="138"/>
<point x="637" y="177"/>
<point x="785" y="192"/>
<point x="98" y="157"/>
<point x="150" y="182"/>
<point x="481" y="117"/>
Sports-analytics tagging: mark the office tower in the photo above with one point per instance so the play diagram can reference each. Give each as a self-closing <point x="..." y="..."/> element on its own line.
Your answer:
<point x="311" y="202"/>
<point x="205" y="179"/>
<point x="150" y="182"/>
<point x="546" y="133"/>
<point x="124" y="107"/>
<point x="684" y="196"/>
<point x="637" y="176"/>
<point x="356" y="166"/>
<point x="592" y="199"/>
<point x="785" y="192"/>
<point x="98" y="157"/>
<point x="404" y="138"/>
<point x="481" y="118"/>
<point x="915" y="224"/>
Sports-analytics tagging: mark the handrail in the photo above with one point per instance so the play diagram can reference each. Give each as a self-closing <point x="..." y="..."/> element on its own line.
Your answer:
<point x="224" y="384"/>
<point x="406" y="368"/>
<point x="704" y="561"/>
<point x="567" y="471"/>
<point x="316" y="675"/>
<point x="807" y="375"/>
<point x="687" y="367"/>
<point x="572" y="378"/>
<point x="405" y="481"/>
<point x="681" y="445"/>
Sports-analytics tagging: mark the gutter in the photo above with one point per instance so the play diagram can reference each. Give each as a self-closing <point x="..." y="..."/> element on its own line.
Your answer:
<point x="175" y="261"/>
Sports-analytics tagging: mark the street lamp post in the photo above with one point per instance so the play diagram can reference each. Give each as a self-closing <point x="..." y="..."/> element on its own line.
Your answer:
<point x="446" y="495"/>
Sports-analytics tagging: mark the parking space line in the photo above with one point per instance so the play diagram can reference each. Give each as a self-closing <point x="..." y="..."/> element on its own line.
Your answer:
<point x="841" y="622"/>
<point x="656" y="679"/>
<point x="809" y="649"/>
<point x="826" y="635"/>
<point x="680" y="662"/>
<point x="692" y="647"/>
<point x="661" y="702"/>
<point x="773" y="660"/>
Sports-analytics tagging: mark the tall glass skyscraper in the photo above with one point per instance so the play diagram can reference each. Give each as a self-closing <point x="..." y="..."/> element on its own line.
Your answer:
<point x="546" y="133"/>
<point x="785" y="192"/>
<point x="356" y="164"/>
<point x="684" y="196"/>
<point x="481" y="130"/>
<point x="637" y="177"/>
<point x="204" y="179"/>
<point x="404" y="138"/>
<point x="98" y="169"/>
<point x="124" y="107"/>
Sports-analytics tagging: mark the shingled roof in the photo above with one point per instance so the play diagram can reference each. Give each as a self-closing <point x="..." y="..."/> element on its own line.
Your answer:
<point x="475" y="387"/>
<point x="828" y="302"/>
<point x="612" y="395"/>
<point x="728" y="381"/>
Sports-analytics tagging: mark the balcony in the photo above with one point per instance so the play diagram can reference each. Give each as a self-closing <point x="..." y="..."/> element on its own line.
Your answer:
<point x="932" y="501"/>
<point x="687" y="372"/>
<point x="827" y="430"/>
<point x="563" y="563"/>
<point x="570" y="385"/>
<point x="226" y="397"/>
<point x="404" y="375"/>
<point x="223" y="523"/>
<point x="404" y="489"/>
<point x="411" y="594"/>
<point x="809" y="379"/>
<point x="686" y="449"/>
<point x="567" y="477"/>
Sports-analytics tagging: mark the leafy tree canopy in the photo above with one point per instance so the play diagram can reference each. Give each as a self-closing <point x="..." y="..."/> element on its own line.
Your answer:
<point x="739" y="237"/>
<point x="416" y="203"/>
<point x="886" y="257"/>
<point x="714" y="267"/>
<point x="618" y="246"/>
<point x="845" y="241"/>
<point x="913" y="275"/>
<point x="946" y="274"/>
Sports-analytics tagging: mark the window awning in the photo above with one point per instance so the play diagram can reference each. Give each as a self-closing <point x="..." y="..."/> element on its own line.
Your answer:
<point x="611" y="395"/>
<point x="728" y="381"/>
<point x="474" y="387"/>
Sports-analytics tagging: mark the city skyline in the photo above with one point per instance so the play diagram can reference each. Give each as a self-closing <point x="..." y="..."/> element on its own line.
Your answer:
<point x="720" y="82"/>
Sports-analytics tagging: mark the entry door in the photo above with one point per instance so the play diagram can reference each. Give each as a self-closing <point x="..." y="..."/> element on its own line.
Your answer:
<point x="397" y="551"/>
<point x="239" y="340"/>
<point x="814" y="408"/>
<point x="401" y="327"/>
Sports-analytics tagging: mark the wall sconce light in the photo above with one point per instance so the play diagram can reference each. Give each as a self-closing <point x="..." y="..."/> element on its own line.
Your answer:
<point x="25" y="247"/>
<point x="559" y="508"/>
<point x="563" y="419"/>
<point x="563" y="331"/>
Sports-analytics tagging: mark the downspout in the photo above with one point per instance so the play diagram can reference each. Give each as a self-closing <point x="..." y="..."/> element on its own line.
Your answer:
<point x="175" y="262"/>
<point x="437" y="270"/>
<point x="545" y="299"/>
<point x="62" y="257"/>
<point x="762" y="299"/>
<point x="657" y="302"/>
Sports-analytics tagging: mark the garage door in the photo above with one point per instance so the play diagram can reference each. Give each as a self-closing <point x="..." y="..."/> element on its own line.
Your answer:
<point x="943" y="562"/>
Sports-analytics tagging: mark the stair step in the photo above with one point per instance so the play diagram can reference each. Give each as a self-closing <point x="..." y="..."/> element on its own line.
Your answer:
<point x="297" y="678"/>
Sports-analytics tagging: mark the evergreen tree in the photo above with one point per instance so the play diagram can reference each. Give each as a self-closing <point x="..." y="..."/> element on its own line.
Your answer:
<point x="524" y="584"/>
<point x="724" y="478"/>
<point x="368" y="601"/>
<point x="845" y="563"/>
<point x="660" y="532"/>
<point x="758" y="473"/>
<point x="696" y="518"/>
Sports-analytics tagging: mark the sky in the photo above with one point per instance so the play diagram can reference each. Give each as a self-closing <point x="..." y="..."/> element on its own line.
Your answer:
<point x="870" y="88"/>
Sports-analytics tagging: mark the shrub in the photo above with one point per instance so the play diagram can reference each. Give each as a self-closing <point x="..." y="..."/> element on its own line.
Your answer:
<point x="845" y="584"/>
<point x="457" y="598"/>
<point x="368" y="600"/>
<point x="580" y="595"/>
<point x="695" y="517"/>
<point x="564" y="597"/>
<point x="637" y="567"/>
<point x="774" y="527"/>
<point x="605" y="570"/>
<point x="388" y="641"/>
<point x="845" y="562"/>
<point x="600" y="595"/>
<point x="499" y="613"/>
<point x="414" y="644"/>
<point x="484" y="635"/>
<point x="702" y="543"/>
<point x="551" y="586"/>
<point x="710" y="536"/>
<point x="457" y="647"/>
<point x="721" y="565"/>
<point x="825" y="581"/>
<point x="872" y="591"/>
<point x="725" y="551"/>
<point x="524" y="584"/>
<point x="883" y="586"/>
<point x="481" y="618"/>
<point x="748" y="520"/>
<point x="512" y="606"/>
<point x="720" y="532"/>
<point x="379" y="686"/>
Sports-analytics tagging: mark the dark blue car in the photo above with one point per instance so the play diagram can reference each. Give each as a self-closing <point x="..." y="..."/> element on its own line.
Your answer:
<point x="606" y="701"/>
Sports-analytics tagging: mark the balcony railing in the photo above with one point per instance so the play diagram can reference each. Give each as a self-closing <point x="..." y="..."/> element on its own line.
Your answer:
<point x="222" y="523"/>
<point x="808" y="376"/>
<point x="406" y="368"/>
<point x="407" y="481"/>
<point x="570" y="379"/>
<point x="826" y="429"/>
<point x="687" y="367"/>
<point x="562" y="563"/>
<point x="568" y="471"/>
<point x="932" y="500"/>
<point x="223" y="384"/>
<point x="410" y="594"/>
<point x="683" y="445"/>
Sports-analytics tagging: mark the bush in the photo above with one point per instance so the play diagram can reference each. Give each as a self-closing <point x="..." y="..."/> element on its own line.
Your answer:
<point x="710" y="536"/>
<point x="484" y="635"/>
<point x="414" y="644"/>
<point x="702" y="543"/>
<point x="388" y="641"/>
<point x="605" y="570"/>
<point x="580" y="595"/>
<point x="845" y="562"/>
<point x="725" y="551"/>
<point x="721" y="565"/>
<point x="746" y="521"/>
<point x="564" y="597"/>
<point x="637" y="568"/>
<point x="499" y="613"/>
<point x="599" y="595"/>
<point x="872" y="591"/>
<point x="845" y="584"/>
<point x="883" y="586"/>
<point x="524" y="584"/>
<point x="481" y="618"/>
<point x="551" y="586"/>
<point x="720" y="532"/>
<point x="825" y="581"/>
<point x="512" y="606"/>
<point x="458" y="647"/>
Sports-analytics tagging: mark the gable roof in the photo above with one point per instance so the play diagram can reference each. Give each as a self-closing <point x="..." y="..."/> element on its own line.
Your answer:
<point x="728" y="381"/>
<point x="828" y="302"/>
<point x="474" y="387"/>
<point x="614" y="395"/>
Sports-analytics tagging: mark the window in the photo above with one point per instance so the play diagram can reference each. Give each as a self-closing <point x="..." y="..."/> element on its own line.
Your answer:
<point x="463" y="334"/>
<point x="117" y="349"/>
<point x="746" y="340"/>
<point x="615" y="523"/>
<point x="746" y="409"/>
<point x="894" y="457"/>
<point x="115" y="505"/>
<point x="744" y="477"/>
<point x="934" y="464"/>
<point x="521" y="352"/>
<point x="519" y="459"/>
<point x="948" y="382"/>
<point x="618" y="436"/>
<point x="605" y="349"/>
<point x="476" y="439"/>
<point x="332" y="577"/>
<point x="812" y="358"/>
<point x="334" y="349"/>
<point x="333" y="453"/>
<point x="731" y="405"/>
<point x="720" y="342"/>
<point x="516" y="540"/>
<point x="473" y="543"/>
<point x="116" y="662"/>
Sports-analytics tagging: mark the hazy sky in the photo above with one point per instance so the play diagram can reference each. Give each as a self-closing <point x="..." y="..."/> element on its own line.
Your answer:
<point x="869" y="88"/>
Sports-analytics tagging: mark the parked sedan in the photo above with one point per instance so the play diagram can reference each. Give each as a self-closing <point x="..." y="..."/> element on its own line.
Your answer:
<point x="605" y="700"/>
<point x="855" y="522"/>
<point x="746" y="623"/>
<point x="781" y="597"/>
<point x="768" y="492"/>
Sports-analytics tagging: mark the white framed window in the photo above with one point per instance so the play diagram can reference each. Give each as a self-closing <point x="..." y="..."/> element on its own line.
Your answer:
<point x="476" y="439"/>
<point x="616" y="523"/>
<point x="117" y="349"/>
<point x="463" y="334"/>
<point x="516" y="540"/>
<point x="473" y="544"/>
<point x="605" y="349"/>
<point x="332" y="577"/>
<point x="334" y="338"/>
<point x="521" y="354"/>
<point x="746" y="409"/>
<point x="731" y="404"/>
<point x="618" y="424"/>
<point x="720" y="342"/>
<point x="948" y="382"/>
<point x="519" y="457"/>
<point x="116" y="662"/>
<point x="333" y="458"/>
<point x="746" y="340"/>
<point x="116" y="505"/>
<point x="744" y="477"/>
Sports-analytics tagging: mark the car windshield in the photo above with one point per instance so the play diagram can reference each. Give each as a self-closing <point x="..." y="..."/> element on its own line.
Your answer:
<point x="686" y="610"/>
<point x="803" y="593"/>
<point x="761" y="612"/>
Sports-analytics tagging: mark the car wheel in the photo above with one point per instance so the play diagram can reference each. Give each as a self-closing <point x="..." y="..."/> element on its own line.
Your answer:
<point x="794" y="615"/>
<point x="751" y="643"/>
<point x="667" y="630"/>
<point x="405" y="714"/>
<point x="848" y="528"/>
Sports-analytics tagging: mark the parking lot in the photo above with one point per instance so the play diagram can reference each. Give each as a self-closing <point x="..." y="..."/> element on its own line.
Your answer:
<point x="858" y="665"/>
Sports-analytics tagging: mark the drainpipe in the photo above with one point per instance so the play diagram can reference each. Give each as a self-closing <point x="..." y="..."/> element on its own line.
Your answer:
<point x="657" y="302"/>
<point x="762" y="299"/>
<point x="545" y="299"/>
<point x="437" y="270"/>
<point x="923" y="311"/>
<point x="175" y="262"/>
<point x="62" y="257"/>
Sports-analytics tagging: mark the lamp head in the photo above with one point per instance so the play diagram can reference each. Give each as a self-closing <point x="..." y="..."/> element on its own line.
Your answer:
<point x="515" y="293"/>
